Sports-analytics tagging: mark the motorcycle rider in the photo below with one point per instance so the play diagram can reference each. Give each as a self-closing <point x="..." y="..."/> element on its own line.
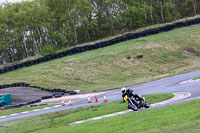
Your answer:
<point x="130" y="93"/>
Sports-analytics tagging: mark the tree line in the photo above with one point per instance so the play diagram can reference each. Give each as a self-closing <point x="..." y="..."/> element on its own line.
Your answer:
<point x="31" y="27"/>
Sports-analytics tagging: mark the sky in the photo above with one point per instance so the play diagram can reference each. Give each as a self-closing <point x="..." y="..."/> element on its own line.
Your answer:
<point x="2" y="1"/>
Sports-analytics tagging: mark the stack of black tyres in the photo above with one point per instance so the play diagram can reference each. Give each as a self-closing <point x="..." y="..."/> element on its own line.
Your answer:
<point x="57" y="93"/>
<point x="79" y="49"/>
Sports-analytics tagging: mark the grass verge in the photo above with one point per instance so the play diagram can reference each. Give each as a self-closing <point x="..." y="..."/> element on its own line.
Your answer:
<point x="60" y="119"/>
<point x="196" y="78"/>
<point x="179" y="118"/>
<point x="23" y="109"/>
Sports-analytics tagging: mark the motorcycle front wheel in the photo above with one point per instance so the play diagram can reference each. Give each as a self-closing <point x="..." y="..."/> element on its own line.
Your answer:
<point x="133" y="107"/>
<point x="147" y="105"/>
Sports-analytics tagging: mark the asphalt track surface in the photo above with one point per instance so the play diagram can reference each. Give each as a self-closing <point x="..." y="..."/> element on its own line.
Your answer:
<point x="179" y="83"/>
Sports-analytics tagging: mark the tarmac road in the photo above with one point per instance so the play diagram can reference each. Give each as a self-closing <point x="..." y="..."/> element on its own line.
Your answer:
<point x="179" y="83"/>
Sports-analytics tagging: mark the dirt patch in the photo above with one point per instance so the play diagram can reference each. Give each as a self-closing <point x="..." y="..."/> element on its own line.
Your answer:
<point x="191" y="51"/>
<point x="23" y="95"/>
<point x="128" y="57"/>
<point x="140" y="56"/>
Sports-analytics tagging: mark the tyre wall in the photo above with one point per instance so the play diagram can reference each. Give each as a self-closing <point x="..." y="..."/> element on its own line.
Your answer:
<point x="57" y="92"/>
<point x="80" y="49"/>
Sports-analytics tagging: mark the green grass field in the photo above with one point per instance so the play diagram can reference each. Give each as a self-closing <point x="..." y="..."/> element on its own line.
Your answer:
<point x="180" y="118"/>
<point x="164" y="54"/>
<point x="196" y="78"/>
<point x="61" y="119"/>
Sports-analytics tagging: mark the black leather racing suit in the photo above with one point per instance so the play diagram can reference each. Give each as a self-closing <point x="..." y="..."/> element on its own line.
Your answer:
<point x="130" y="93"/>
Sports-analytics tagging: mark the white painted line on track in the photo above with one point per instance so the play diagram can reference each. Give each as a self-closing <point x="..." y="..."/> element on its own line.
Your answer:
<point x="189" y="81"/>
<point x="177" y="96"/>
<point x="28" y="112"/>
<point x="100" y="117"/>
<point x="96" y="118"/>
<point x="57" y="106"/>
<point x="36" y="110"/>
<point x="79" y="122"/>
<point x="13" y="114"/>
<point x="3" y="117"/>
<point x="47" y="108"/>
<point x="25" y="112"/>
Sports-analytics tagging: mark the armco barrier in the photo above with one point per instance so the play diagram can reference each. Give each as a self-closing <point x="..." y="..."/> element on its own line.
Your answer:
<point x="80" y="49"/>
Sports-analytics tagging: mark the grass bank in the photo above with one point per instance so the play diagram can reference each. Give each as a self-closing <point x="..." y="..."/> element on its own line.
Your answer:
<point x="196" y="78"/>
<point x="61" y="119"/>
<point x="162" y="55"/>
<point x="180" y="118"/>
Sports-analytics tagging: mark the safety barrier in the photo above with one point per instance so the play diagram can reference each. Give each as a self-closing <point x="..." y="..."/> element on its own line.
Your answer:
<point x="80" y="49"/>
<point x="57" y="93"/>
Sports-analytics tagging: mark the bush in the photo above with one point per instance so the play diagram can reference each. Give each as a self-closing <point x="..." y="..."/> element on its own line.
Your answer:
<point x="48" y="49"/>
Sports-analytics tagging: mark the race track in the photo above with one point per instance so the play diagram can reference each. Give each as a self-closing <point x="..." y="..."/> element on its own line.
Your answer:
<point x="179" y="83"/>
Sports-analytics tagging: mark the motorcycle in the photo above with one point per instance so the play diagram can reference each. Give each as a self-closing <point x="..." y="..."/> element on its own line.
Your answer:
<point x="135" y="103"/>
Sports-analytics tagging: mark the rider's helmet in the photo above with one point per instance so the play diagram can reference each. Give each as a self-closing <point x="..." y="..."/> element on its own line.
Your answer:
<point x="123" y="90"/>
